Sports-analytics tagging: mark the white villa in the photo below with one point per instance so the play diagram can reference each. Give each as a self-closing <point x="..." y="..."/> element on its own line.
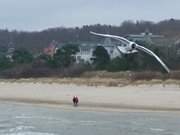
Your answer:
<point x="85" y="53"/>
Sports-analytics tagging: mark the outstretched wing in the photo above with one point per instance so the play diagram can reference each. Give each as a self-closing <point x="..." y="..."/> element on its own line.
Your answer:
<point x="138" y="47"/>
<point x="122" y="49"/>
<point x="121" y="39"/>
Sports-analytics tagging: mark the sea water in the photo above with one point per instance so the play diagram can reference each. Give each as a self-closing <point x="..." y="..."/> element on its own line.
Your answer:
<point x="24" y="119"/>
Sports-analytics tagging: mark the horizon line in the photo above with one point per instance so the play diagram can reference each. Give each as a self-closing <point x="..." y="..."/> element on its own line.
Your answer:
<point x="80" y="26"/>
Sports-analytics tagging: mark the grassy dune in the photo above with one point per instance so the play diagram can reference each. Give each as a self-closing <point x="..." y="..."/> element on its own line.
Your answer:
<point x="103" y="78"/>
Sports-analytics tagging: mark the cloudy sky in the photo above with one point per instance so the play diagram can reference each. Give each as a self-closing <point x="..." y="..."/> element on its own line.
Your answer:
<point x="41" y="14"/>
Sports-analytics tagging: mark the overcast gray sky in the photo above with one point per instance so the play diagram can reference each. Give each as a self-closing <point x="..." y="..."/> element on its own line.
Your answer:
<point x="42" y="14"/>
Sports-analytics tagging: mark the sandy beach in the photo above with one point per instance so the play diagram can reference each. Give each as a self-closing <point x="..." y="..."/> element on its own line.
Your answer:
<point x="155" y="97"/>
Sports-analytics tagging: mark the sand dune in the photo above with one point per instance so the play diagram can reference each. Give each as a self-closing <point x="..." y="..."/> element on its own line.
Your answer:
<point x="146" y="97"/>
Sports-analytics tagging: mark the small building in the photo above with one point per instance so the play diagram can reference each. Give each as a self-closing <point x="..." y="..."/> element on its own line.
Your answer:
<point x="10" y="53"/>
<point x="111" y="48"/>
<point x="85" y="53"/>
<point x="145" y="36"/>
<point x="51" y="49"/>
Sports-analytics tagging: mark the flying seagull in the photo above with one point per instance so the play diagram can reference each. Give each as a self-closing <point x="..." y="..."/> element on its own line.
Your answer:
<point x="131" y="47"/>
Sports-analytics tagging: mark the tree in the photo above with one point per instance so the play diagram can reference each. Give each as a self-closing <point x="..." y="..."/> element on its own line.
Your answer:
<point x="101" y="58"/>
<point x="118" y="64"/>
<point x="5" y="62"/>
<point x="21" y="56"/>
<point x="64" y="56"/>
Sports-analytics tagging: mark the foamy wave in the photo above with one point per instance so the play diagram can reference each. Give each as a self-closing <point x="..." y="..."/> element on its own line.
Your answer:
<point x="20" y="128"/>
<point x="29" y="133"/>
<point x="157" y="129"/>
<point x="88" y="123"/>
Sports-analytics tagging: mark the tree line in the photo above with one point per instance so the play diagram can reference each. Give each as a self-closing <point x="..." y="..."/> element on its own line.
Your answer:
<point x="27" y="61"/>
<point x="35" y="41"/>
<point x="63" y="63"/>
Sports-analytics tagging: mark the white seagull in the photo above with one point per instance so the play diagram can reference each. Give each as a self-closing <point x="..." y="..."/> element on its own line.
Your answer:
<point x="131" y="47"/>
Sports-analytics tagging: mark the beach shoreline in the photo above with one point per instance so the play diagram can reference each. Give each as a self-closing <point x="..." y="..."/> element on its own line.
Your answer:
<point x="144" y="97"/>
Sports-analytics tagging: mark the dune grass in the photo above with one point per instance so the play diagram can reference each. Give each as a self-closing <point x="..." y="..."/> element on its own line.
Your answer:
<point x="93" y="81"/>
<point x="111" y="79"/>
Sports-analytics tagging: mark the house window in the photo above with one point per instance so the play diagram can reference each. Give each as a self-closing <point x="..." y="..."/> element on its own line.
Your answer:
<point x="78" y="58"/>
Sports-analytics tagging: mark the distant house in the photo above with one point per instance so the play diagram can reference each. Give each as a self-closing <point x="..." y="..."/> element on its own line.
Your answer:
<point x="51" y="49"/>
<point x="10" y="53"/>
<point x="85" y="53"/>
<point x="111" y="48"/>
<point x="178" y="52"/>
<point x="177" y="47"/>
<point x="145" y="36"/>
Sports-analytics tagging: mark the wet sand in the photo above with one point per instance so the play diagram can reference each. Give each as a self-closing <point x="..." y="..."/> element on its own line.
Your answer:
<point x="155" y="97"/>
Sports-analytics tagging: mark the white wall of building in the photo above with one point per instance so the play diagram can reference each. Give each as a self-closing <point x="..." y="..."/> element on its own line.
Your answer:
<point x="85" y="53"/>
